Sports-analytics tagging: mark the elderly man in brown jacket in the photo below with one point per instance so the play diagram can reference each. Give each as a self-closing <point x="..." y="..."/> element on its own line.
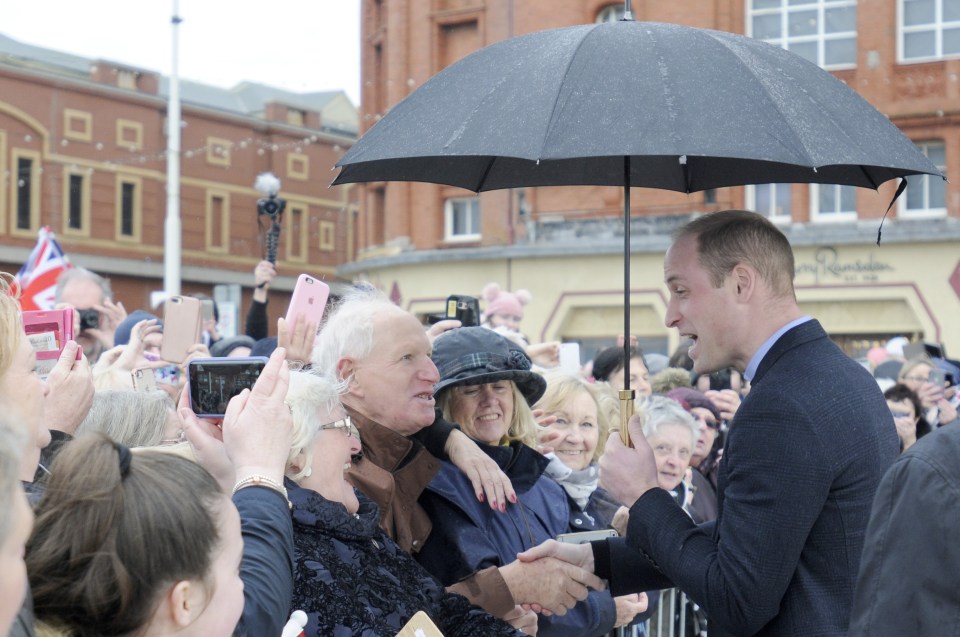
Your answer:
<point x="382" y="354"/>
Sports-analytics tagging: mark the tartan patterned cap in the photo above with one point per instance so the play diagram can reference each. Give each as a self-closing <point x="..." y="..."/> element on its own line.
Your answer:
<point x="477" y="355"/>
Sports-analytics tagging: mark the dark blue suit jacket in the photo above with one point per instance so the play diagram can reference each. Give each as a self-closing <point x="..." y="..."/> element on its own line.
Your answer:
<point x="802" y="462"/>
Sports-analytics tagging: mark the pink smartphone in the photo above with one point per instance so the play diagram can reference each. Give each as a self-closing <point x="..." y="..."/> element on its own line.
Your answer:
<point x="309" y="298"/>
<point x="48" y="331"/>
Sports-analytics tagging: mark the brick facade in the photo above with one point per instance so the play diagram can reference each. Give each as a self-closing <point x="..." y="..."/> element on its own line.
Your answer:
<point x="103" y="133"/>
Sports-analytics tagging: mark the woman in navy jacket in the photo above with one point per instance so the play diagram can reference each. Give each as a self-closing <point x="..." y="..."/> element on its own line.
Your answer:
<point x="486" y="386"/>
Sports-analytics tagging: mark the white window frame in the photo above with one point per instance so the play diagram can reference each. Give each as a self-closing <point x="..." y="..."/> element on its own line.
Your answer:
<point x="448" y="219"/>
<point x="751" y="201"/>
<point x="820" y="37"/>
<point x="829" y="217"/>
<point x="924" y="182"/>
<point x="936" y="27"/>
<point x="610" y="13"/>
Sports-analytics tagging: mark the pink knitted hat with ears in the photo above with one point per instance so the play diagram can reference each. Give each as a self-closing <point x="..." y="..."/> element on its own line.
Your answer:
<point x="504" y="303"/>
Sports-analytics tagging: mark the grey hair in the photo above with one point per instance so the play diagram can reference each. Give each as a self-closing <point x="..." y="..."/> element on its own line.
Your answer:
<point x="348" y="331"/>
<point x="660" y="410"/>
<point x="309" y="396"/>
<point x="132" y="418"/>
<point x="76" y="273"/>
<point x="12" y="443"/>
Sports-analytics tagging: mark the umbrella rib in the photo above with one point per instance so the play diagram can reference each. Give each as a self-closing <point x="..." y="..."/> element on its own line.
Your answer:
<point x="556" y="99"/>
<point x="483" y="177"/>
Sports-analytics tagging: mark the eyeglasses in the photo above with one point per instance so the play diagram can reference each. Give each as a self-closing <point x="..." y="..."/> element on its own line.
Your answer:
<point x="916" y="379"/>
<point x="345" y="425"/>
<point x="181" y="437"/>
<point x="901" y="414"/>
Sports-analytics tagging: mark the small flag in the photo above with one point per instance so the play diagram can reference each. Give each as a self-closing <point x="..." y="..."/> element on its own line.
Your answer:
<point x="37" y="279"/>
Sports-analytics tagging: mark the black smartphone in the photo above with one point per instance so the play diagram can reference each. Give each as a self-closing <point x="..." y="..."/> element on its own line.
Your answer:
<point x="212" y="382"/>
<point x="465" y="309"/>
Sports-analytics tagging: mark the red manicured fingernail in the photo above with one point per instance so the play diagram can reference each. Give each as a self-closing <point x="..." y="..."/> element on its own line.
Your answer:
<point x="513" y="498"/>
<point x="503" y="507"/>
<point x="494" y="505"/>
<point x="480" y="497"/>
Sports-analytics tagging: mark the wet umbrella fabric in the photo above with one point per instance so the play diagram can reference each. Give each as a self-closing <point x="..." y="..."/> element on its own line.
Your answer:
<point x="693" y="109"/>
<point x="633" y="104"/>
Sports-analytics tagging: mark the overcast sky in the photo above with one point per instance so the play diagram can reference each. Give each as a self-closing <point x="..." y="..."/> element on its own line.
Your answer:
<point x="300" y="45"/>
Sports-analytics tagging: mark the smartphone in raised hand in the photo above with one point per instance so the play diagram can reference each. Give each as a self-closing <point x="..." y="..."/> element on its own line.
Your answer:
<point x="309" y="299"/>
<point x="212" y="382"/>
<point x="181" y="327"/>
<point x="48" y="332"/>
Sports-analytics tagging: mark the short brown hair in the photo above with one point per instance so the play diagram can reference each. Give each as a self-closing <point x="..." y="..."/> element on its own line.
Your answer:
<point x="729" y="237"/>
<point x="106" y="542"/>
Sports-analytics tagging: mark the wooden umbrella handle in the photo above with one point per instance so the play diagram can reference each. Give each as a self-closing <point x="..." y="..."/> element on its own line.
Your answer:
<point x="626" y="410"/>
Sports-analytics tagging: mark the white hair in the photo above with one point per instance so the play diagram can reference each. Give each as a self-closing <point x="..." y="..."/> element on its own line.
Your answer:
<point x="348" y="331"/>
<point x="660" y="410"/>
<point x="309" y="396"/>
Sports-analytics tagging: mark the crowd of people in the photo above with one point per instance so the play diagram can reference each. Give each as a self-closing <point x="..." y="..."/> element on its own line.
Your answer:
<point x="380" y="467"/>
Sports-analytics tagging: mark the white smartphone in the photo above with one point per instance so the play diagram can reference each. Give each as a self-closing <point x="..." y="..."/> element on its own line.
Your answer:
<point x="570" y="357"/>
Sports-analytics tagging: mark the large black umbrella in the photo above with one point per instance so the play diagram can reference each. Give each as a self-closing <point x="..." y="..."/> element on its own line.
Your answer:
<point x="633" y="104"/>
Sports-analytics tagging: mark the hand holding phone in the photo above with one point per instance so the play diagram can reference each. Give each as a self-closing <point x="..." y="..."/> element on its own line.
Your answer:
<point x="309" y="299"/>
<point x="181" y="327"/>
<point x="48" y="332"/>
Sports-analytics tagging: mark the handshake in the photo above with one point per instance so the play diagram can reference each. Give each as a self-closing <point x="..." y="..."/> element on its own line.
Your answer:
<point x="552" y="577"/>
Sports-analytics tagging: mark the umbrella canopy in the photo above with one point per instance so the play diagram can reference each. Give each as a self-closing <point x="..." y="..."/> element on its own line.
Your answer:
<point x="633" y="104"/>
<point x="692" y="108"/>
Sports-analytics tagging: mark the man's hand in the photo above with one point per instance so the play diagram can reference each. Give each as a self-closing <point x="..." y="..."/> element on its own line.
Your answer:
<point x="629" y="606"/>
<point x="298" y="341"/>
<point x="71" y="391"/>
<point x="625" y="473"/>
<point x="580" y="555"/>
<point x="547" y="583"/>
<point x="726" y="400"/>
<point x="522" y="619"/>
<point x="483" y="472"/>
<point x="111" y="315"/>
<point x="620" y="520"/>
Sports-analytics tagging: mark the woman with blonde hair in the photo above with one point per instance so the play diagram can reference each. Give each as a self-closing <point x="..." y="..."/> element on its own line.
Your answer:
<point x="487" y="387"/>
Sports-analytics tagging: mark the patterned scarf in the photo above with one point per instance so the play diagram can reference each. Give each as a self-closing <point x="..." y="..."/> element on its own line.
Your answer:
<point x="578" y="484"/>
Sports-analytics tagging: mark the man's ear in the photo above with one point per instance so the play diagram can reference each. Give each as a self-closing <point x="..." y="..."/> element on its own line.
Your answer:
<point x="345" y="371"/>
<point x="745" y="279"/>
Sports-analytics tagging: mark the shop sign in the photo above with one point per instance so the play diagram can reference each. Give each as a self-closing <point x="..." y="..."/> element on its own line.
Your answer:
<point x="826" y="266"/>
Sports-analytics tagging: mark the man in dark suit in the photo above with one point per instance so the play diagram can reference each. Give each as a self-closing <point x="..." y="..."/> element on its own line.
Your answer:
<point x="803" y="459"/>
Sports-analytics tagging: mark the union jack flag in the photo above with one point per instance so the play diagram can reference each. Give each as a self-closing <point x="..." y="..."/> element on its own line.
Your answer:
<point x="37" y="278"/>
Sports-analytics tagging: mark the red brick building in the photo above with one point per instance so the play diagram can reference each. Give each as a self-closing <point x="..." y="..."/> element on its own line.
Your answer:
<point x="83" y="150"/>
<point x="422" y="241"/>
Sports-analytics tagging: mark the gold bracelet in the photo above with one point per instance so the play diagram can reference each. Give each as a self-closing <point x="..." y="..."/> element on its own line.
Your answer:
<point x="260" y="480"/>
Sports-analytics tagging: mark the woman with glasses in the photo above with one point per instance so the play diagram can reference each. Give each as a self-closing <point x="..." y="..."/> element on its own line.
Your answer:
<point x="350" y="578"/>
<point x="915" y="374"/>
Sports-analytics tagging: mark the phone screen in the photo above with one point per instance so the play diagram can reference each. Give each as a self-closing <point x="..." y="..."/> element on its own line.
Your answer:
<point x="214" y="381"/>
